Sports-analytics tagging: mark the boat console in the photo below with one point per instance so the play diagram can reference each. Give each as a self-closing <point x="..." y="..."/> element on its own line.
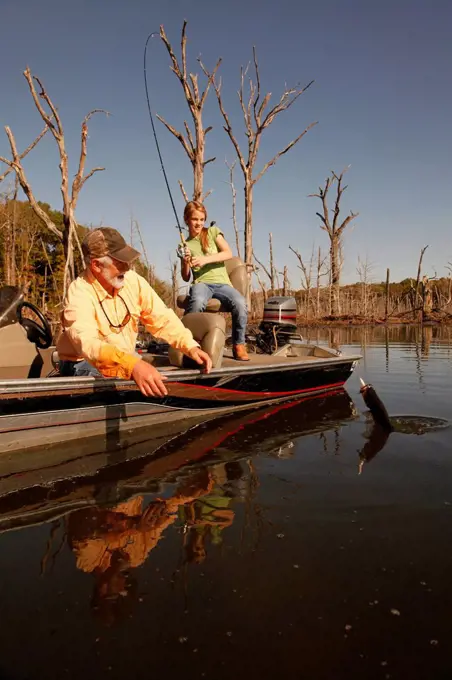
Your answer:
<point x="25" y="342"/>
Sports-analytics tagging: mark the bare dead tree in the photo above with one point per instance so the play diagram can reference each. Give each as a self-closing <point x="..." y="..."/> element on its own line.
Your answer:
<point x="286" y="285"/>
<point x="320" y="272"/>
<point x="183" y="192"/>
<point x="418" y="278"/>
<point x="193" y="145"/>
<point x="449" y="285"/>
<point x="260" y="282"/>
<point x="364" y="271"/>
<point x="387" y="294"/>
<point x="8" y="229"/>
<point x="49" y="265"/>
<point x="264" y="269"/>
<point x="273" y="273"/>
<point x="427" y="297"/>
<point x="306" y="276"/>
<point x="24" y="153"/>
<point x="174" y="285"/>
<point x="150" y="271"/>
<point x="70" y="196"/>
<point x="234" y="206"/>
<point x="257" y="117"/>
<point x="335" y="230"/>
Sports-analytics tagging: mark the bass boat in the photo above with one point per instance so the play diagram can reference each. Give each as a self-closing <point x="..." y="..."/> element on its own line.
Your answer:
<point x="40" y="409"/>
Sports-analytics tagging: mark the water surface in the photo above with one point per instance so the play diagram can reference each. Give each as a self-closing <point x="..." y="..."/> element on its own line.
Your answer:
<point x="297" y="542"/>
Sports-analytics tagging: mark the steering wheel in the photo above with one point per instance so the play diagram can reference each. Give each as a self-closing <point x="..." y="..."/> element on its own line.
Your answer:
<point x="40" y="334"/>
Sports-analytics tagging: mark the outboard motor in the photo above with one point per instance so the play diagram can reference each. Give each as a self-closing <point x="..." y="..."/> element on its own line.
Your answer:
<point x="279" y="325"/>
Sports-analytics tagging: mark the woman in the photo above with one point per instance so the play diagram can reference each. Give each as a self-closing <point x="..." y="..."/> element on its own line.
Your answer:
<point x="206" y="251"/>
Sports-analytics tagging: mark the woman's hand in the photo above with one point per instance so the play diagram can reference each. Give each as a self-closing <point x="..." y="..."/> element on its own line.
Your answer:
<point x="199" y="261"/>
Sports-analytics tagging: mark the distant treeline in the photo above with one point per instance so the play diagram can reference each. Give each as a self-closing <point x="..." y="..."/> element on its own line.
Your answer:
<point x="32" y="258"/>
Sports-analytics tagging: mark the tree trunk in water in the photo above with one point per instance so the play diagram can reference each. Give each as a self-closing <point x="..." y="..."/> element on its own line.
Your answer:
<point x="198" y="177"/>
<point x="68" y="249"/>
<point x="387" y="296"/>
<point x="427" y="300"/>
<point x="248" y="235"/>
<point x="335" y="277"/>
<point x="285" y="282"/>
<point x="272" y="267"/>
<point x="174" y="286"/>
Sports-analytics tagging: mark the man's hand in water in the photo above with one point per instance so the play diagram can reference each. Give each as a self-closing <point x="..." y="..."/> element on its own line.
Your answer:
<point x="149" y="380"/>
<point x="201" y="357"/>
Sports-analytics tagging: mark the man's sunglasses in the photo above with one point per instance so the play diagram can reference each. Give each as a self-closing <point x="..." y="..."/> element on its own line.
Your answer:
<point x="125" y="320"/>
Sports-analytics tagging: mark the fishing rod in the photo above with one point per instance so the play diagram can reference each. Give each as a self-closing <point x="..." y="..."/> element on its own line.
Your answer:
<point x="182" y="237"/>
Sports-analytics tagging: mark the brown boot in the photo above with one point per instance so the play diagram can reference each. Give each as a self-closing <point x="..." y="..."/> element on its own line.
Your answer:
<point x="240" y="353"/>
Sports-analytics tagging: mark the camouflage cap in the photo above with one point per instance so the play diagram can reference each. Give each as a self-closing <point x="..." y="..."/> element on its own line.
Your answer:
<point x="108" y="241"/>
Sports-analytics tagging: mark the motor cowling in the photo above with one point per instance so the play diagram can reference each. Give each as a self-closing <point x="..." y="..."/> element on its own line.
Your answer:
<point x="279" y="323"/>
<point x="280" y="311"/>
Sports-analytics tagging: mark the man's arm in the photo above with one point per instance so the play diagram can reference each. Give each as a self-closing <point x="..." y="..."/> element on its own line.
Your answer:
<point x="163" y="323"/>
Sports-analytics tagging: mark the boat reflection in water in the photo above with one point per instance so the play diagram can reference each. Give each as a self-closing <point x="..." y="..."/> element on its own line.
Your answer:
<point x="113" y="519"/>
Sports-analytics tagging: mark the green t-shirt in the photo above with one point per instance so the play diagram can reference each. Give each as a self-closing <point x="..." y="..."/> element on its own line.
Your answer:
<point x="214" y="272"/>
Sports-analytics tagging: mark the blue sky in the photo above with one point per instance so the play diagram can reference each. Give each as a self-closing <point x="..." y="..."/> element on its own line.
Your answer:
<point x="382" y="96"/>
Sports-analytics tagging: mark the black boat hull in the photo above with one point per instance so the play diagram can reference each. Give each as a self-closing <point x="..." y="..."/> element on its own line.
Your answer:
<point x="39" y="413"/>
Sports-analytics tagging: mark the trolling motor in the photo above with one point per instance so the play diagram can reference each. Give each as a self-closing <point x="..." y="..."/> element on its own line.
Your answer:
<point x="279" y="324"/>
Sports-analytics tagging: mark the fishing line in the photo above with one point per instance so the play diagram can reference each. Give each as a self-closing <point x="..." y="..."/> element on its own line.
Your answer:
<point x="151" y="35"/>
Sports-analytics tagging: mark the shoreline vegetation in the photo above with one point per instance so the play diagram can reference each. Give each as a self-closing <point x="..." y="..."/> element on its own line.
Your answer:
<point x="32" y="259"/>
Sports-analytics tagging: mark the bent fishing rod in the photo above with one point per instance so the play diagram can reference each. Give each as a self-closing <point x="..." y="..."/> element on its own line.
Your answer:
<point x="182" y="237"/>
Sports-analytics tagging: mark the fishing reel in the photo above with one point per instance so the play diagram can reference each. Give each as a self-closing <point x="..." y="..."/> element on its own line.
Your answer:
<point x="180" y="251"/>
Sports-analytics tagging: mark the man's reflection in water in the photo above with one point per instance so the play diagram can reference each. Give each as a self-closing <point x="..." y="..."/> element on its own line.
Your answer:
<point x="110" y="543"/>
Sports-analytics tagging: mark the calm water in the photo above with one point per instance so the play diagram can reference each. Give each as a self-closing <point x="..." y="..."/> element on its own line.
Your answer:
<point x="298" y="544"/>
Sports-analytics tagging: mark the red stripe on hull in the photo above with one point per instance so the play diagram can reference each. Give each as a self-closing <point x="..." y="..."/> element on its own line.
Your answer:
<point x="272" y="395"/>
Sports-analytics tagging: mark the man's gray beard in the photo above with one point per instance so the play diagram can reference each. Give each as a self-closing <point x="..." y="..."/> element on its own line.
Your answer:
<point x="115" y="281"/>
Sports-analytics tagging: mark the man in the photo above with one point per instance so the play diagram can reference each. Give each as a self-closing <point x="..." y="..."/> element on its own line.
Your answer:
<point x="101" y="314"/>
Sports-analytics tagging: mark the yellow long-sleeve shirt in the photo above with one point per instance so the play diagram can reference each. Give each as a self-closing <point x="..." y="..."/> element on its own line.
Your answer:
<point x="89" y="312"/>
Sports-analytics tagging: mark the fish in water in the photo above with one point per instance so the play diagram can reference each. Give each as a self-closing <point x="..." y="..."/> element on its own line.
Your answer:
<point x="375" y="406"/>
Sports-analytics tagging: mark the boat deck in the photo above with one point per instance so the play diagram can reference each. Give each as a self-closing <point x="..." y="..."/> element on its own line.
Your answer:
<point x="229" y="362"/>
<point x="265" y="359"/>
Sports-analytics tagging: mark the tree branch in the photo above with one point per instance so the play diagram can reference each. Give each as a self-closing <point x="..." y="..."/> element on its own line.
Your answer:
<point x="288" y="98"/>
<point x="263" y="267"/>
<point x="184" y="193"/>
<point x="178" y="136"/>
<point x="182" y="75"/>
<point x="258" y="89"/>
<point x="79" y="179"/>
<point x="206" y="195"/>
<point x="24" y="153"/>
<point x="210" y="79"/>
<point x="228" y="127"/>
<point x="189" y="136"/>
<point x="281" y="153"/>
<point x="25" y="185"/>
<point x="56" y="131"/>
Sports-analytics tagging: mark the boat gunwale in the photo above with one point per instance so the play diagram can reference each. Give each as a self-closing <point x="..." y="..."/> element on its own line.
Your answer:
<point x="30" y="386"/>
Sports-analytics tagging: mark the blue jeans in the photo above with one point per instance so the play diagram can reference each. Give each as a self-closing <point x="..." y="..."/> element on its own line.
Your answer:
<point x="79" y="369"/>
<point x="234" y="302"/>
